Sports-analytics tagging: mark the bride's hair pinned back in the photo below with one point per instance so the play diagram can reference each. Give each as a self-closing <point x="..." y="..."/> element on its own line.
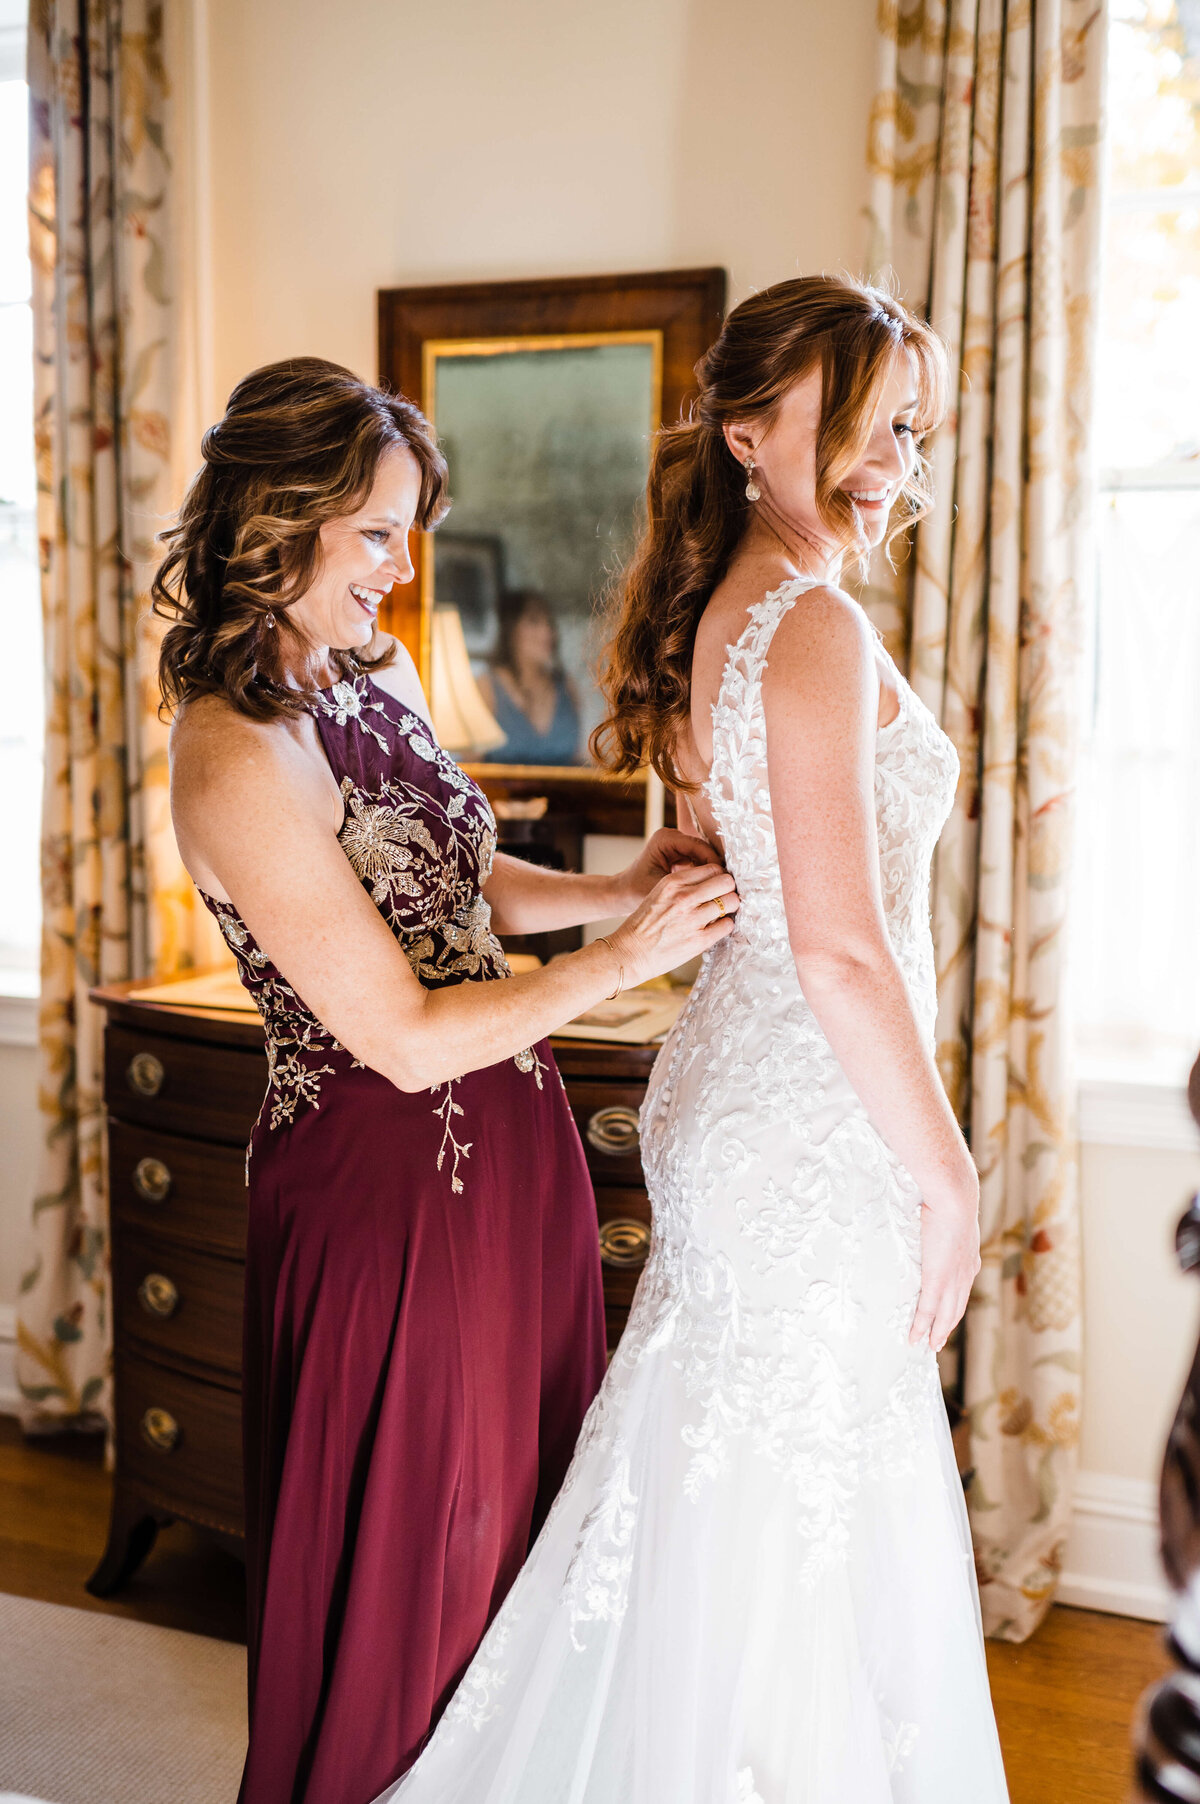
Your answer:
<point x="696" y="507"/>
<point x="299" y="444"/>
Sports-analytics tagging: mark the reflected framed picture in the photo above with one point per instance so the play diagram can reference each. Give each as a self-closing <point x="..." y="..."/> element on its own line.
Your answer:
<point x="468" y="574"/>
<point x="545" y="396"/>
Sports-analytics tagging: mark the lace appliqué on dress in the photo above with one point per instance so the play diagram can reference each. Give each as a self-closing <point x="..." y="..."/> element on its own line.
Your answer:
<point x="477" y="1698"/>
<point x="899" y="1740"/>
<point x="596" y="1587"/>
<point x="781" y="1218"/>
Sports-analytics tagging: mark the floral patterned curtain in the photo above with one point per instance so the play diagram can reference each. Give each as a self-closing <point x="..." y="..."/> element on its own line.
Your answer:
<point x="99" y="225"/>
<point x="984" y="162"/>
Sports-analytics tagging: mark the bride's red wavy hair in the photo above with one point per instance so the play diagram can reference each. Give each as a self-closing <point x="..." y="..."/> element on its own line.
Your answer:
<point x="696" y="508"/>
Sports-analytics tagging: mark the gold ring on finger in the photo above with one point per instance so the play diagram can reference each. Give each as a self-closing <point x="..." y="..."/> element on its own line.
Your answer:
<point x="720" y="902"/>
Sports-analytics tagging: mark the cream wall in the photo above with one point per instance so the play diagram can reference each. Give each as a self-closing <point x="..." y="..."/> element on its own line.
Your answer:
<point x="1141" y="1313"/>
<point x="1140" y="1320"/>
<point x="374" y="144"/>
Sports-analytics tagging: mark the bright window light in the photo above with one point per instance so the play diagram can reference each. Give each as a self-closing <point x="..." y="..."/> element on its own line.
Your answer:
<point x="20" y="603"/>
<point x="1136" y="938"/>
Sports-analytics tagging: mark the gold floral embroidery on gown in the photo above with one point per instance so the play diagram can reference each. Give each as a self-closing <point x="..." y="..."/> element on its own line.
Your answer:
<point x="421" y="838"/>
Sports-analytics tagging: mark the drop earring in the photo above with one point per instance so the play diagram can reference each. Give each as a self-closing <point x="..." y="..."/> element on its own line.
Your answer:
<point x="753" y="492"/>
<point x="270" y="619"/>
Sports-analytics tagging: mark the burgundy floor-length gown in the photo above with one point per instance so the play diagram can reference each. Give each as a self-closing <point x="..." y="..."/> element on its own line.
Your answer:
<point x="424" y="1321"/>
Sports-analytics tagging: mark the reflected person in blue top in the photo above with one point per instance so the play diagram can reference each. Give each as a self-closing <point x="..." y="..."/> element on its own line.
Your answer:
<point x="527" y="689"/>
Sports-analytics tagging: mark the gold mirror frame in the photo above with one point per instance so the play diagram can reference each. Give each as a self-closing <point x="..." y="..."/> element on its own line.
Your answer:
<point x="677" y="312"/>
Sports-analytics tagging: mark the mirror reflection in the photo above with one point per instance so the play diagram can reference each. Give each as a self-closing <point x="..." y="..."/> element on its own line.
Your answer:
<point x="548" y="446"/>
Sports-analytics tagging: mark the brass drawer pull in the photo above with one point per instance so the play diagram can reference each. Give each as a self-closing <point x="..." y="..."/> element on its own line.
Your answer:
<point x="613" y="1130"/>
<point x="145" y="1074"/>
<point x="160" y="1430"/>
<point x="152" y="1180"/>
<point x="158" y="1296"/>
<point x="624" y="1242"/>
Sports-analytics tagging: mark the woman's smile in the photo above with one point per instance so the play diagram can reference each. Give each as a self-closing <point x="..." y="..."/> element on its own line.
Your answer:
<point x="367" y="599"/>
<point x="871" y="502"/>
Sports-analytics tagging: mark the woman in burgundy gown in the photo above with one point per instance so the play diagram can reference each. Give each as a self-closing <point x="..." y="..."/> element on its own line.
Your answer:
<point x="424" y="1326"/>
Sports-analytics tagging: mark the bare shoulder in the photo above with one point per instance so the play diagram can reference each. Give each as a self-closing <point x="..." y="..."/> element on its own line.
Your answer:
<point x="399" y="678"/>
<point x="221" y="760"/>
<point x="209" y="738"/>
<point x="826" y="614"/>
<point x="825" y="635"/>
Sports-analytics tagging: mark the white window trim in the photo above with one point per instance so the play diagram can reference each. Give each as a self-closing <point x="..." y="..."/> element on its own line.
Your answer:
<point x="1128" y="1109"/>
<point x="1155" y="479"/>
<point x="12" y="53"/>
<point x="18" y="1007"/>
<point x="18" y="1020"/>
<point x="1132" y="1111"/>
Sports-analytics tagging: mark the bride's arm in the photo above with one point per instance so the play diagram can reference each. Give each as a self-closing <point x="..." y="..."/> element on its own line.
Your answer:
<point x="821" y="701"/>
<point x="253" y="806"/>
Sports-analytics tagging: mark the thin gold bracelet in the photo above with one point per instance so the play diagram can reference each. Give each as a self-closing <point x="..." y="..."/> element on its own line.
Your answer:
<point x="604" y="940"/>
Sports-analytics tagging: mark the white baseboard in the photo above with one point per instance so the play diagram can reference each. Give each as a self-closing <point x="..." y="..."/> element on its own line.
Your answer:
<point x="1112" y="1560"/>
<point x="10" y="1397"/>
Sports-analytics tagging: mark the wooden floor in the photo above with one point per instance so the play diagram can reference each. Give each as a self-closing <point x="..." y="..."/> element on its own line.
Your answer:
<point x="1064" y="1700"/>
<point x="54" y="1496"/>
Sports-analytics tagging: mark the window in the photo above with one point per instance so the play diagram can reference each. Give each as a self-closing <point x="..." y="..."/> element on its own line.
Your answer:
<point x="1136" y="940"/>
<point x="20" y="604"/>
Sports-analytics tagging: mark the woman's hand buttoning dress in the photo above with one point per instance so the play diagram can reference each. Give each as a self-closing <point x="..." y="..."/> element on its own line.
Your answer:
<point x="424" y="1327"/>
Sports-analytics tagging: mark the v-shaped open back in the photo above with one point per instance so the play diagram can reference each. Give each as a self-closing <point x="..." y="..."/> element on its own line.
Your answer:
<point x="751" y="644"/>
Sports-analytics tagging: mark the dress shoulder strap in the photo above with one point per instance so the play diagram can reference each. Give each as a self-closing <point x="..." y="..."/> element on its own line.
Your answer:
<point x="747" y="657"/>
<point x="766" y="614"/>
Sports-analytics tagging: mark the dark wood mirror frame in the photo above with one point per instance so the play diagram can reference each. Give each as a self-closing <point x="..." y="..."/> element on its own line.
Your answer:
<point x="685" y="305"/>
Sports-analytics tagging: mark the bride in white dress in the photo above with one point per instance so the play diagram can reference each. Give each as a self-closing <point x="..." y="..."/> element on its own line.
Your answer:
<point x="756" y="1586"/>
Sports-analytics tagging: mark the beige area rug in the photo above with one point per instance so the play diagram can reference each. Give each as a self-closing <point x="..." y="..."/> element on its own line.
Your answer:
<point x="99" y="1710"/>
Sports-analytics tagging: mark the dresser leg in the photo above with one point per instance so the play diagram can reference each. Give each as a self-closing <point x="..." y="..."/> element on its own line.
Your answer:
<point x="132" y="1531"/>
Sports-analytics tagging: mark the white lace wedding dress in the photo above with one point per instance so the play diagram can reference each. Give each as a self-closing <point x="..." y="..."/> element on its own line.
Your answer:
<point x="756" y="1586"/>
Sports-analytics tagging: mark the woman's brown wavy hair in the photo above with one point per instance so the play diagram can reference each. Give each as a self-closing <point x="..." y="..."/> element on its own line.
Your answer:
<point x="299" y="443"/>
<point x="696" y="507"/>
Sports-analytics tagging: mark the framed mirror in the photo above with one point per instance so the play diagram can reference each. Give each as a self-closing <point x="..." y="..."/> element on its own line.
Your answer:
<point x="545" y="396"/>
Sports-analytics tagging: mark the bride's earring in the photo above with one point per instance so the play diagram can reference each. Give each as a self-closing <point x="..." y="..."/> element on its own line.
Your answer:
<point x="270" y="620"/>
<point x="753" y="492"/>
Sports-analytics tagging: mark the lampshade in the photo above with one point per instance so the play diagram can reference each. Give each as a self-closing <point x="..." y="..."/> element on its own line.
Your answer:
<point x="462" y="719"/>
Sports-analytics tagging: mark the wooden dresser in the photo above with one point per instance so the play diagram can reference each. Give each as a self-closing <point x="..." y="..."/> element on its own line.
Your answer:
<point x="182" y="1089"/>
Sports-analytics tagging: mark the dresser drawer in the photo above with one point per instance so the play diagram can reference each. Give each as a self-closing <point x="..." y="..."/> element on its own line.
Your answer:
<point x="624" y="1222"/>
<point x="179" y="1304"/>
<point x="606" y="1115"/>
<point x="184" y="1087"/>
<point x="183" y="1189"/>
<point x="179" y="1441"/>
